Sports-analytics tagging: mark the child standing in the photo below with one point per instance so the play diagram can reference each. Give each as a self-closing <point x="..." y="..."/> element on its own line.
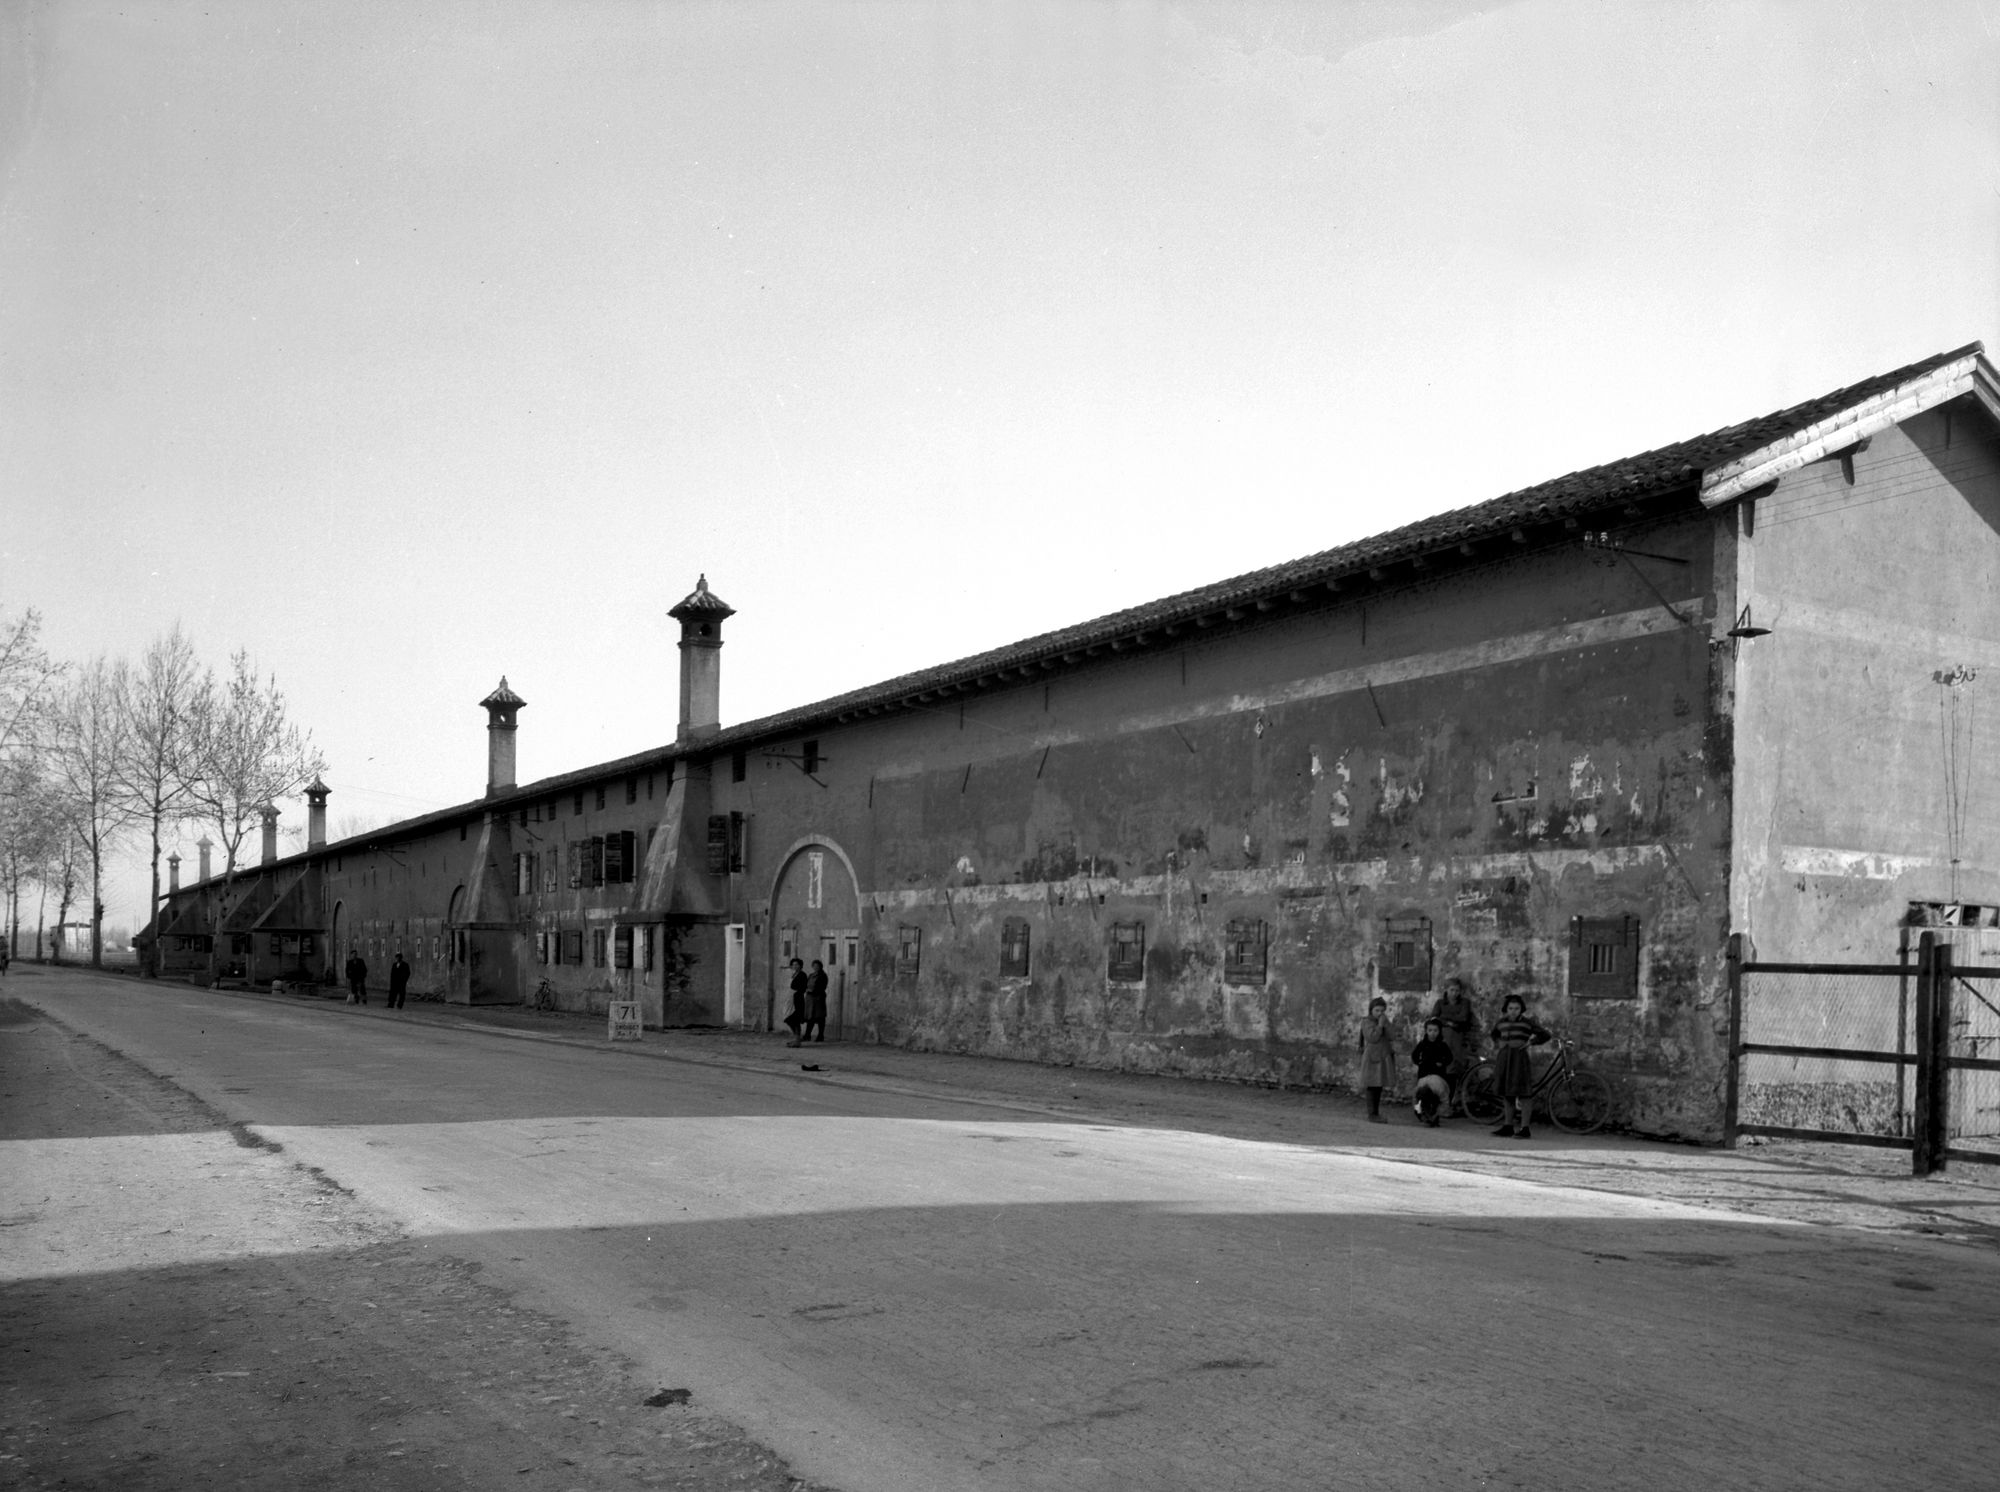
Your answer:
<point x="1432" y="1058"/>
<point x="1378" y="1057"/>
<point x="1513" y="1034"/>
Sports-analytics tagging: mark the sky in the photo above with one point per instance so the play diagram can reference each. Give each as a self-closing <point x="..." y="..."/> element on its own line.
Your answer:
<point x="411" y="344"/>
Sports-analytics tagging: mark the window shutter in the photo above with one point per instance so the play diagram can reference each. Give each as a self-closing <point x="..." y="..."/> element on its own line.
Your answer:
<point x="614" y="859"/>
<point x="628" y="853"/>
<point x="575" y="863"/>
<point x="718" y="844"/>
<point x="739" y="842"/>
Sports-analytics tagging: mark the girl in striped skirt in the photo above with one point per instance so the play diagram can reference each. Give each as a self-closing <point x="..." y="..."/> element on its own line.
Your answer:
<point x="1513" y="1034"/>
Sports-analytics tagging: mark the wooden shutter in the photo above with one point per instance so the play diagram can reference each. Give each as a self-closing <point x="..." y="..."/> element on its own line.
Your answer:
<point x="718" y="844"/>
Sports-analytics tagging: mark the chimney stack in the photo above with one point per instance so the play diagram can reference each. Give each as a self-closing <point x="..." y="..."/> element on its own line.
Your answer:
<point x="269" y="812"/>
<point x="204" y="844"/>
<point x="701" y="616"/>
<point x="173" y="872"/>
<point x="500" y="706"/>
<point x="316" y="792"/>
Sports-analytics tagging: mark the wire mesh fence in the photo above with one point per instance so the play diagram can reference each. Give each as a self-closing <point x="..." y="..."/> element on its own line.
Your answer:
<point x="1854" y="1038"/>
<point x="1972" y="1112"/>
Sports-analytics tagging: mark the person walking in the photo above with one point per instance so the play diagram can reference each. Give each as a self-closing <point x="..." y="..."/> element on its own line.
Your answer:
<point x="815" y="1004"/>
<point x="357" y="979"/>
<point x="797" y="1019"/>
<point x="1378" y="1057"/>
<point x="399" y="982"/>
<point x="1432" y="1059"/>
<point x="1514" y="1082"/>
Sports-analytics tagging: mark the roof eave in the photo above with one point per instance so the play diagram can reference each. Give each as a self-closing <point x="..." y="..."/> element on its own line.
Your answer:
<point x="1968" y="372"/>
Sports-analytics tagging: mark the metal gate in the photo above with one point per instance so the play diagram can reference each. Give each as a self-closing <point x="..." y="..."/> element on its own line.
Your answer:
<point x="1905" y="1055"/>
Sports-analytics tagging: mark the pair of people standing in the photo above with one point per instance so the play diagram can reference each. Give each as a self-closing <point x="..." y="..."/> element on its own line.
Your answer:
<point x="808" y="1012"/>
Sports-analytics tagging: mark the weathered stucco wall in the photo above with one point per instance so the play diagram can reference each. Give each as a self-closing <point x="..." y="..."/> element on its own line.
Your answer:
<point x="1499" y="752"/>
<point x="1875" y="572"/>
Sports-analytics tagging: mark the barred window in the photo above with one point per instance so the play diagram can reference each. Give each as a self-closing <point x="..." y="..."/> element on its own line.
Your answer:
<point x="1246" y="952"/>
<point x="1404" y="958"/>
<point x="1604" y="958"/>
<point x="1014" y="948"/>
<point x="909" y="950"/>
<point x="1128" y="953"/>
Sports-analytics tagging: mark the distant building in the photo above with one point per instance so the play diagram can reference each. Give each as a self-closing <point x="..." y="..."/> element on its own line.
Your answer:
<point x="1564" y="743"/>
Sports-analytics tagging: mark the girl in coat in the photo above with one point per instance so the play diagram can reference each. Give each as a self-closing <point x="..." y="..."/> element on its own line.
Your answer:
<point x="1513" y="1034"/>
<point x="1432" y="1057"/>
<point x="1378" y="1057"/>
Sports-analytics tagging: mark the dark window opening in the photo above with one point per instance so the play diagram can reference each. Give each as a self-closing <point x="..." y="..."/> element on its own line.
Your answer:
<point x="579" y="803"/>
<point x="1014" y="948"/>
<point x="631" y="791"/>
<point x="597" y="942"/>
<point x="1128" y="953"/>
<point x="572" y="945"/>
<point x="600" y="797"/>
<point x="621" y="948"/>
<point x="739" y="767"/>
<point x="1405" y="955"/>
<point x="909" y="951"/>
<point x="1246" y="953"/>
<point x="811" y="756"/>
<point x="1604" y="958"/>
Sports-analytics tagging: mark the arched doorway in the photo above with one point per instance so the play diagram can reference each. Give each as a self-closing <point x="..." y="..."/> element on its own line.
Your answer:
<point x="816" y="914"/>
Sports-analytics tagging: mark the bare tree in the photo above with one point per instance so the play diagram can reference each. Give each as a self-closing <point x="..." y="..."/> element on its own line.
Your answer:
<point x="25" y="674"/>
<point x="162" y="699"/>
<point x="243" y="752"/>
<point x="30" y="832"/>
<point x="83" y="746"/>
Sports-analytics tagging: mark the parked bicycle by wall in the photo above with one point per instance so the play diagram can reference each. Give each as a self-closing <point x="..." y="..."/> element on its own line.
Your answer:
<point x="1576" y="1099"/>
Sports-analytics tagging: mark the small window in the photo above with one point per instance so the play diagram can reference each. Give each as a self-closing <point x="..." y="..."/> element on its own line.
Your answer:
<point x="909" y="951"/>
<point x="541" y="948"/>
<point x="739" y="767"/>
<point x="614" y="858"/>
<point x="554" y="806"/>
<point x="1404" y="958"/>
<point x="1245" y="952"/>
<point x="739" y="842"/>
<point x="649" y="787"/>
<point x="1014" y="948"/>
<point x="597" y="947"/>
<point x="646" y="944"/>
<point x="578" y="806"/>
<point x="461" y="834"/>
<point x="718" y="844"/>
<point x="524" y="818"/>
<point x="631" y="796"/>
<point x="811" y="756"/>
<point x="1128" y="953"/>
<point x="600" y="797"/>
<point x="621" y="948"/>
<point x="572" y="945"/>
<point x="1604" y="958"/>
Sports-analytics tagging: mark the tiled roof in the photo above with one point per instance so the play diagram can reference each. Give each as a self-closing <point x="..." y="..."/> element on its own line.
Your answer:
<point x="1658" y="474"/>
<point x="1651" y="474"/>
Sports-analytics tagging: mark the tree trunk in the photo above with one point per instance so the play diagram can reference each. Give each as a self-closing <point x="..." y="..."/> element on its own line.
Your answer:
<point x="96" y="904"/>
<point x="152" y="969"/>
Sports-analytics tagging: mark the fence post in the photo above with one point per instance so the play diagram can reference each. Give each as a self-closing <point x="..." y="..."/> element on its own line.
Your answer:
<point x="1734" y="957"/>
<point x="1940" y="1057"/>
<point x="1925" y="1137"/>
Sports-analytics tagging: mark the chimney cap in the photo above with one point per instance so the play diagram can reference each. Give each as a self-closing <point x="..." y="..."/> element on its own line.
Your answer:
<point x="204" y="843"/>
<point x="503" y="698"/>
<point x="701" y="602"/>
<point x="316" y="788"/>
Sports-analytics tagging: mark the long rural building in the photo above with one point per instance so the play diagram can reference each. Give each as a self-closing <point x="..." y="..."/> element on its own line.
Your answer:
<point x="1564" y="742"/>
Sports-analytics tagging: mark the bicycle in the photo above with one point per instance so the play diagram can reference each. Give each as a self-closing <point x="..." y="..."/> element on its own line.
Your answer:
<point x="545" y="996"/>
<point x="1577" y="1099"/>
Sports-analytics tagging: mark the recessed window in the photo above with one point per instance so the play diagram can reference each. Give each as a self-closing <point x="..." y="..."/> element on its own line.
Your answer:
<point x="810" y="756"/>
<point x="909" y="951"/>
<point x="600" y="797"/>
<point x="739" y="767"/>
<point x="631" y="796"/>
<point x="621" y="948"/>
<point x="1604" y="958"/>
<point x="572" y="945"/>
<point x="541" y="948"/>
<point x="1245" y="951"/>
<point x="578" y="806"/>
<point x="647" y="943"/>
<point x="1014" y="948"/>
<point x="1127" y="961"/>
<point x="1404" y="959"/>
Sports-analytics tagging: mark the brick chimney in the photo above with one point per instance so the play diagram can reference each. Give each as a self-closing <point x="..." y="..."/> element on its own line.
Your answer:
<point x="269" y="813"/>
<point x="701" y="616"/>
<point x="501" y="706"/>
<point x="174" y="872"/>
<point x="316" y="792"/>
<point x="204" y="844"/>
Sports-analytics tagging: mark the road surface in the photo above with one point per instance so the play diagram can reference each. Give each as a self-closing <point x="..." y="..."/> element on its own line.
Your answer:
<point x="900" y="1290"/>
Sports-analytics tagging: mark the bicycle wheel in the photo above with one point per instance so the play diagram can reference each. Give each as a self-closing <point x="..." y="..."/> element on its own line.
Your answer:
<point x="1476" y="1096"/>
<point x="1579" y="1102"/>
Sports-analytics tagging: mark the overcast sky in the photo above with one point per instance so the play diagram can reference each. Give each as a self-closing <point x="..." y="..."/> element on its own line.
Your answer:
<point x="410" y="344"/>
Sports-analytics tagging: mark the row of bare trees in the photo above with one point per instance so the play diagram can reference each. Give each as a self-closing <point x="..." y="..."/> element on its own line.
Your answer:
<point x="94" y="753"/>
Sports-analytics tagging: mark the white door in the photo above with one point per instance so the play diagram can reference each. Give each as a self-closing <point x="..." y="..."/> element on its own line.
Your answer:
<point x="732" y="976"/>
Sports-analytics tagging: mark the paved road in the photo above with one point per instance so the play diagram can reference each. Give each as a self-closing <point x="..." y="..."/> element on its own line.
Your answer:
<point x="911" y="1292"/>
